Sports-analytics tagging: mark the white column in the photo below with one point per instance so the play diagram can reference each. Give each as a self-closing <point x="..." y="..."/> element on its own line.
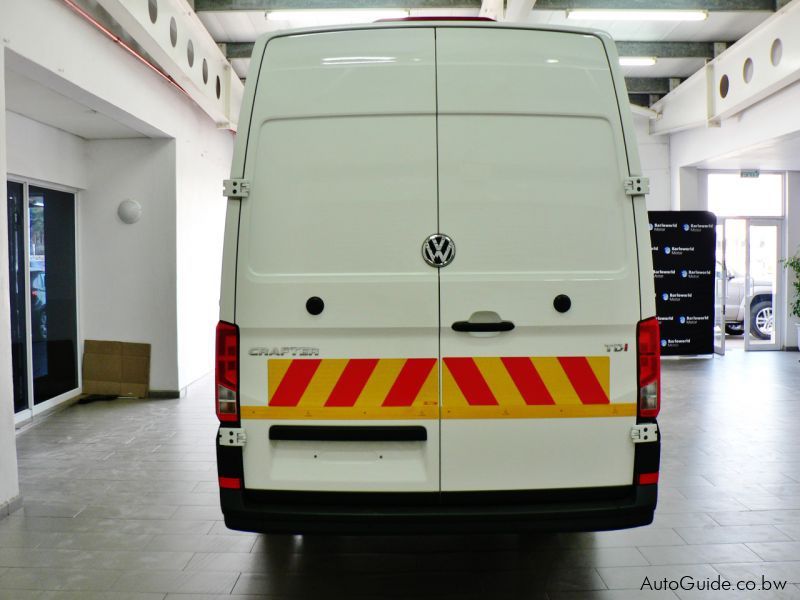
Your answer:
<point x="9" y="479"/>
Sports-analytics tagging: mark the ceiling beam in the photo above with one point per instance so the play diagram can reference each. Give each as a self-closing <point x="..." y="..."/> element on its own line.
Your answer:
<point x="647" y="85"/>
<point x="710" y="5"/>
<point x="667" y="49"/>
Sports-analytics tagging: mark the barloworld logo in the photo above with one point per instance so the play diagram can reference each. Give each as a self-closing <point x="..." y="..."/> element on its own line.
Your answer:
<point x="684" y="273"/>
<point x="667" y="250"/>
<point x="665" y="296"/>
<point x="686" y="227"/>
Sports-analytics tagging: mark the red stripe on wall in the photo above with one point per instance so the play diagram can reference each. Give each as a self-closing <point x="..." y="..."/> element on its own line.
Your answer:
<point x="294" y="382"/>
<point x="351" y="382"/>
<point x="527" y="379"/>
<point x="409" y="382"/>
<point x="470" y="381"/>
<point x="583" y="379"/>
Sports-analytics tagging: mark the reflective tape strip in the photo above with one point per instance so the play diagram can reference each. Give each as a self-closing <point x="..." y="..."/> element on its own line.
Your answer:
<point x="528" y="387"/>
<point x="472" y="388"/>
<point x="347" y="389"/>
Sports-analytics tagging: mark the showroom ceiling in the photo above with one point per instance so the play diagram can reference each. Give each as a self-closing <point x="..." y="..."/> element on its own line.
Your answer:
<point x="679" y="47"/>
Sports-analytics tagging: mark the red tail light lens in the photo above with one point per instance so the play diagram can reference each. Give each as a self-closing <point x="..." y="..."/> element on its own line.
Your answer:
<point x="648" y="350"/>
<point x="227" y="372"/>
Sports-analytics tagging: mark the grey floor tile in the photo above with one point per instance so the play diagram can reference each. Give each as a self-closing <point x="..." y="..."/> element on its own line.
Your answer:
<point x="698" y="554"/>
<point x="99" y="596"/>
<point x="788" y="571"/>
<point x="190" y="582"/>
<point x="198" y="513"/>
<point x="21" y="594"/>
<point x="732" y="534"/>
<point x="776" y="551"/>
<point x="756" y="517"/>
<point x="58" y="579"/>
<point x="675" y="520"/>
<point x="790" y="529"/>
<point x="201" y="543"/>
<point x="44" y="509"/>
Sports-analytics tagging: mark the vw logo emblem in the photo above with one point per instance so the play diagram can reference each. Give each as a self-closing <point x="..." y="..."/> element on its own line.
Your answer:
<point x="438" y="250"/>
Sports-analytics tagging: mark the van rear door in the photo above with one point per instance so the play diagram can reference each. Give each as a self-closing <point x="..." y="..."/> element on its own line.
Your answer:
<point x="531" y="170"/>
<point x="338" y="313"/>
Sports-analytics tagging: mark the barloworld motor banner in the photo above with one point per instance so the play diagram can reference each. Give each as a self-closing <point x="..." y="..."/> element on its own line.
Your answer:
<point x="684" y="245"/>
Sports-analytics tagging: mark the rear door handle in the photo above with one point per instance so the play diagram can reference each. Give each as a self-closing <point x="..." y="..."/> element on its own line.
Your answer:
<point x="467" y="326"/>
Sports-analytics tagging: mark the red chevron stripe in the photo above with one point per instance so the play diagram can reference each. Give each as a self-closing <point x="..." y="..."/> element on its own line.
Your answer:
<point x="294" y="382"/>
<point x="351" y="382"/>
<point x="409" y="382"/>
<point x="527" y="379"/>
<point x="583" y="379"/>
<point x="470" y="381"/>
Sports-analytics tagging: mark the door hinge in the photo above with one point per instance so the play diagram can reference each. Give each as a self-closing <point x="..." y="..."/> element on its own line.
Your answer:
<point x="236" y="188"/>
<point x="636" y="186"/>
<point x="231" y="436"/>
<point x="644" y="432"/>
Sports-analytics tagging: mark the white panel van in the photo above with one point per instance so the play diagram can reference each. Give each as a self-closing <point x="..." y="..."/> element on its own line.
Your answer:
<point x="437" y="308"/>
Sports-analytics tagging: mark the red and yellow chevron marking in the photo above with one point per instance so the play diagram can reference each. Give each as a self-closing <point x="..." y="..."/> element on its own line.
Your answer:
<point x="522" y="387"/>
<point x="516" y="387"/>
<point x="348" y="389"/>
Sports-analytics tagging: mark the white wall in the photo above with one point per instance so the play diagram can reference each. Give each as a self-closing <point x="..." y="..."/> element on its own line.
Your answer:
<point x="127" y="272"/>
<point x="83" y="64"/>
<point x="38" y="151"/>
<point x="96" y="72"/>
<point x="654" y="155"/>
<point x="203" y="161"/>
<point x="9" y="481"/>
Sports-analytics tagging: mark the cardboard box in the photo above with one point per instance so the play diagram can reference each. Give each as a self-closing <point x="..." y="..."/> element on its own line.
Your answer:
<point x="118" y="368"/>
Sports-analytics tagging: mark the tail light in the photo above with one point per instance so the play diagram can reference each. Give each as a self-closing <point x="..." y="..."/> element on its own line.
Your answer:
<point x="648" y="351"/>
<point x="227" y="372"/>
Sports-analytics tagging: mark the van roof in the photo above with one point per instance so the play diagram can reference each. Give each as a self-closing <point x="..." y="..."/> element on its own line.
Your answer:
<point x="427" y="22"/>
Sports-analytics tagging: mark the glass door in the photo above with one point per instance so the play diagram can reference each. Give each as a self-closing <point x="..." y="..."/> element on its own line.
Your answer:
<point x="762" y="285"/>
<point x="43" y="299"/>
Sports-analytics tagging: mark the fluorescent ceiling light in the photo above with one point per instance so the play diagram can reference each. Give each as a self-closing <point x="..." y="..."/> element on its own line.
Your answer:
<point x="637" y="61"/>
<point x="637" y="15"/>
<point x="333" y="17"/>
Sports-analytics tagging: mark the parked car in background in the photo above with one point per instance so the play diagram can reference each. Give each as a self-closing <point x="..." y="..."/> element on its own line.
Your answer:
<point x="762" y="319"/>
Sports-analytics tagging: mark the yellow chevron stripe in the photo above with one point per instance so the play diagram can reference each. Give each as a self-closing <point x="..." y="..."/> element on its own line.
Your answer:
<point x="601" y="365"/>
<point x="323" y="382"/>
<point x="555" y="380"/>
<point x="429" y="392"/>
<point x="452" y="398"/>
<point x="499" y="381"/>
<point x="380" y="382"/>
<point x="276" y="370"/>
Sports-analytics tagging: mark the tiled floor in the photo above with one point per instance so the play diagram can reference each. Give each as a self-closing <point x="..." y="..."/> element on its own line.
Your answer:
<point x="121" y="503"/>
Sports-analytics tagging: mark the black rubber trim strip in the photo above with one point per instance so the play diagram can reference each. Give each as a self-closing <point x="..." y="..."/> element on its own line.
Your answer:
<point x="349" y="433"/>
<point x="466" y="326"/>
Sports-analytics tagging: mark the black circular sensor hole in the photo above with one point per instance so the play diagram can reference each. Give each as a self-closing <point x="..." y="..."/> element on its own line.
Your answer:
<point x="315" y="305"/>
<point x="562" y="303"/>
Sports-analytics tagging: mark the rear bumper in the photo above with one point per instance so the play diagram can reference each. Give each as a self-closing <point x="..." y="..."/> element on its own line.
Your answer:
<point x="457" y="512"/>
